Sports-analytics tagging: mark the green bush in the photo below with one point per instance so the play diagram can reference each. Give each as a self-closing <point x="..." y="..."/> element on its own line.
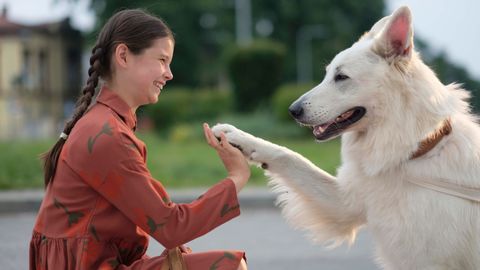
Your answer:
<point x="285" y="96"/>
<point x="194" y="163"/>
<point x="20" y="164"/>
<point x="263" y="123"/>
<point x="183" y="105"/>
<point x="255" y="71"/>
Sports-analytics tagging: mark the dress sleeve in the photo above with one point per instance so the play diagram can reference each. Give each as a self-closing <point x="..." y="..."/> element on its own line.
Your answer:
<point x="116" y="169"/>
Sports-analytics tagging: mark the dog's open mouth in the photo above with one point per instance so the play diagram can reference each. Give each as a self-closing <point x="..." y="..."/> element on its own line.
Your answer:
<point x="339" y="124"/>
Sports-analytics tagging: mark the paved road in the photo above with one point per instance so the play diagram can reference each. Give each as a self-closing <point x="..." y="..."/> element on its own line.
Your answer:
<point x="262" y="233"/>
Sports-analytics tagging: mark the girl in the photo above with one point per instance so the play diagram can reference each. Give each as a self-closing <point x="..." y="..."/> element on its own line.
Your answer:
<point x="101" y="202"/>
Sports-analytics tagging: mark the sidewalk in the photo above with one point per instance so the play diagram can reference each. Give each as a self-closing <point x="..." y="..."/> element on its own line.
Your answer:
<point x="18" y="201"/>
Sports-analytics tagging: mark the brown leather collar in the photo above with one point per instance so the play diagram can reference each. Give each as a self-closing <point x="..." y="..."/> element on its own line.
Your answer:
<point x="432" y="139"/>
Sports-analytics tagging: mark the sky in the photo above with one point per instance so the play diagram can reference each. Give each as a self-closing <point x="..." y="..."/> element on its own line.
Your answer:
<point x="451" y="26"/>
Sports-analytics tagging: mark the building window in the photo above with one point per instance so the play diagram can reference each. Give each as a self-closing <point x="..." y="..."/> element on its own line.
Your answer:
<point x="1" y="77"/>
<point x="25" y="76"/>
<point x="44" y="72"/>
<point x="73" y="72"/>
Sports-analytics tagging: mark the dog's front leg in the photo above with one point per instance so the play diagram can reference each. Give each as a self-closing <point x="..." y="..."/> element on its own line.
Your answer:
<point x="282" y="164"/>
<point x="311" y="198"/>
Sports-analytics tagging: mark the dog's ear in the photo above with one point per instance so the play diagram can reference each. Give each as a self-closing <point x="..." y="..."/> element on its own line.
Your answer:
<point x="376" y="29"/>
<point x="396" y="38"/>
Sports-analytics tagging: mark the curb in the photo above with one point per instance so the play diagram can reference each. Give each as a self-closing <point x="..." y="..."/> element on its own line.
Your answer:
<point x="17" y="201"/>
<point x="20" y="201"/>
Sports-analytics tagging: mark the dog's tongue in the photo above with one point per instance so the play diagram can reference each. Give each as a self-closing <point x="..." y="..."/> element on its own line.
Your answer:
<point x="318" y="130"/>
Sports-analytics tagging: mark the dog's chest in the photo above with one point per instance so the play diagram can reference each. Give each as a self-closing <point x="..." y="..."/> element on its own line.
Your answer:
<point x="406" y="221"/>
<point x="386" y="200"/>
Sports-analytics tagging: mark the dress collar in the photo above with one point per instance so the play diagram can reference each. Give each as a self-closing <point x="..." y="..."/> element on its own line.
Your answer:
<point x="110" y="99"/>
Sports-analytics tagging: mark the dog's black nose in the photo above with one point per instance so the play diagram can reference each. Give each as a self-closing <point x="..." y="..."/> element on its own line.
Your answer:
<point x="296" y="110"/>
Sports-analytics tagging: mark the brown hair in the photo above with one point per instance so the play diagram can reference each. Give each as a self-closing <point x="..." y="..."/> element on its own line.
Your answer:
<point x="137" y="30"/>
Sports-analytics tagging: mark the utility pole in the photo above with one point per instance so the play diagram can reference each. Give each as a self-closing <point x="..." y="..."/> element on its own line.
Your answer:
<point x="305" y="36"/>
<point x="243" y="22"/>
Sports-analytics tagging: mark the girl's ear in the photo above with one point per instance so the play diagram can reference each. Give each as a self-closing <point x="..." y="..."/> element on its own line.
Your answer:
<point x="120" y="55"/>
<point x="396" y="38"/>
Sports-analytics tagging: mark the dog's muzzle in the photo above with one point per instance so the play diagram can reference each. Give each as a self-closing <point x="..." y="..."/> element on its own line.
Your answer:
<point x="296" y="110"/>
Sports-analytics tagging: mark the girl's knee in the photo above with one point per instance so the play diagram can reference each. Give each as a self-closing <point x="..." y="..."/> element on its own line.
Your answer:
<point x="242" y="265"/>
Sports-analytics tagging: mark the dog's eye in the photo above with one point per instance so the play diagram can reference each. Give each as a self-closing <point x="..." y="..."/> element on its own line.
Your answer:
<point x="340" y="77"/>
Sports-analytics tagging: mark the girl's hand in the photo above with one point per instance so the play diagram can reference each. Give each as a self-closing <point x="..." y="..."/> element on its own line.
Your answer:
<point x="232" y="158"/>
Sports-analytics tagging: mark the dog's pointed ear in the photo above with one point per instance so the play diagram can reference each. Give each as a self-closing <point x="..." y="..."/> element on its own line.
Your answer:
<point x="376" y="28"/>
<point x="396" y="38"/>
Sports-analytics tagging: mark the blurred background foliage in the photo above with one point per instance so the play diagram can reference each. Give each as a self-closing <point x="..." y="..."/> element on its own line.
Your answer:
<point x="207" y="54"/>
<point x="205" y="30"/>
<point x="250" y="86"/>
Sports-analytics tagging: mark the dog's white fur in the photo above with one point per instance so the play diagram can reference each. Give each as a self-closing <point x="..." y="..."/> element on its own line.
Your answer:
<point x="412" y="227"/>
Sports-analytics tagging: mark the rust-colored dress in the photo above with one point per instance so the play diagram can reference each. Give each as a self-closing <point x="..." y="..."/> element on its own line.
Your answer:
<point x="103" y="203"/>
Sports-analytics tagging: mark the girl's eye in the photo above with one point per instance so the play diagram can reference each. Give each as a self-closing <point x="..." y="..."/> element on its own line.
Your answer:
<point x="341" y="77"/>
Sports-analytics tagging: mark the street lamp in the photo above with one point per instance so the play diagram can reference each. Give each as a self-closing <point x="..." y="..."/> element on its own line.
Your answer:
<point x="305" y="35"/>
<point x="243" y="22"/>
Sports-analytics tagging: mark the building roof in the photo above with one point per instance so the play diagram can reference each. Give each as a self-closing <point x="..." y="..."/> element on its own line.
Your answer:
<point x="8" y="27"/>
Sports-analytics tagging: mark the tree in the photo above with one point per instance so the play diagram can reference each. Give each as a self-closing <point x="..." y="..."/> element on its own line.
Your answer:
<point x="343" y="21"/>
<point x="206" y="29"/>
<point x="449" y="72"/>
<point x="256" y="72"/>
<point x="199" y="34"/>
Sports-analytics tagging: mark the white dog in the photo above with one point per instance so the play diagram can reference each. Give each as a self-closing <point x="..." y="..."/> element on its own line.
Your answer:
<point x="406" y="140"/>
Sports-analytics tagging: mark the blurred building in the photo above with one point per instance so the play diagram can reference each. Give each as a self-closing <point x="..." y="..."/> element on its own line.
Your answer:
<point x="40" y="71"/>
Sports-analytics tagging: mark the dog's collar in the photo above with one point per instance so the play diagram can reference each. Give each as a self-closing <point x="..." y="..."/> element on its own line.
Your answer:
<point x="433" y="139"/>
<point x="442" y="185"/>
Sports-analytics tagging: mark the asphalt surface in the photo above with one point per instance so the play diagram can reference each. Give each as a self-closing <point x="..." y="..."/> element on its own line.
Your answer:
<point x="269" y="244"/>
<point x="260" y="231"/>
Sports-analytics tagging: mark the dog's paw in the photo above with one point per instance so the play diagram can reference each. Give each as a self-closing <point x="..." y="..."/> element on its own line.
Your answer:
<point x="225" y="128"/>
<point x="235" y="137"/>
<point x="247" y="143"/>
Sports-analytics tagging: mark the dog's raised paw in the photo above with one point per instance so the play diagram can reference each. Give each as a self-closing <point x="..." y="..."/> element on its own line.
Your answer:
<point x="225" y="128"/>
<point x="237" y="146"/>
<point x="235" y="137"/>
<point x="232" y="133"/>
<point x="255" y="150"/>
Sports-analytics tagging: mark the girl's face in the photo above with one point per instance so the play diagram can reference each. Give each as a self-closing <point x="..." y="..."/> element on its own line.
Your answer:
<point x="149" y="72"/>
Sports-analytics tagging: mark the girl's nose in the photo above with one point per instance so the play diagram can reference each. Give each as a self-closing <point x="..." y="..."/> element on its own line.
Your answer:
<point x="168" y="74"/>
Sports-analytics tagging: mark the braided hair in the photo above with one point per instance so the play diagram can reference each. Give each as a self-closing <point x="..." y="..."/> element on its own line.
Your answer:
<point x="137" y="30"/>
